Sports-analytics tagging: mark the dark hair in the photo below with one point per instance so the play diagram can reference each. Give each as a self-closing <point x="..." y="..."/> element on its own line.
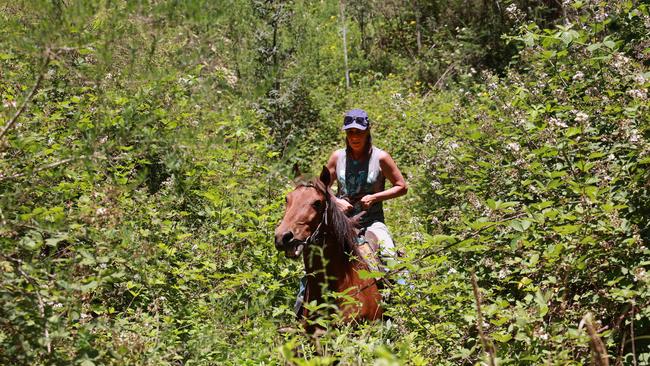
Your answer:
<point x="348" y="149"/>
<point x="343" y="228"/>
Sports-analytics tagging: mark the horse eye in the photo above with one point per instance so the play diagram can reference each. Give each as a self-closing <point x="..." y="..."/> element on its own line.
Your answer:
<point x="317" y="204"/>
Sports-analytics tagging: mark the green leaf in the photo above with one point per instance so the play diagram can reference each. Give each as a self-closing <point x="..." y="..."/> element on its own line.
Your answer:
<point x="365" y="275"/>
<point x="553" y="251"/>
<point x="542" y="303"/>
<point x="572" y="131"/>
<point x="501" y="337"/>
<point x="566" y="229"/>
<point x="591" y="192"/>
<point x="520" y="225"/>
<point x="594" y="46"/>
<point x="609" y="44"/>
<point x="52" y="242"/>
<point x="482" y="224"/>
<point x="440" y="239"/>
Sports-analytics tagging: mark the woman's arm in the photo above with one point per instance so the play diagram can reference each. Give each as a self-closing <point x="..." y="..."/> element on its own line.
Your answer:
<point x="393" y="174"/>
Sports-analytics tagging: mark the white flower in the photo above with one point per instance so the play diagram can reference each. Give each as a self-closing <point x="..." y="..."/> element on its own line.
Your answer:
<point x="640" y="79"/>
<point x="578" y="76"/>
<point x="513" y="146"/>
<point x="513" y="12"/>
<point x="101" y="211"/>
<point x="557" y="122"/>
<point x="428" y="137"/>
<point x="619" y="61"/>
<point x="453" y="145"/>
<point x="582" y="117"/>
<point x="638" y="93"/>
<point x="452" y="270"/>
<point x="640" y="274"/>
<point x="11" y="103"/>
<point x="634" y="136"/>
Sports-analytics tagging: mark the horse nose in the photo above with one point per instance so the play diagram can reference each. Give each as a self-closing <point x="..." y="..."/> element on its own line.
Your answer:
<point x="283" y="240"/>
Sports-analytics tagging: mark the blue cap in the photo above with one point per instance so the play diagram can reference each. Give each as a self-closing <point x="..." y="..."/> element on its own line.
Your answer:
<point x="356" y="118"/>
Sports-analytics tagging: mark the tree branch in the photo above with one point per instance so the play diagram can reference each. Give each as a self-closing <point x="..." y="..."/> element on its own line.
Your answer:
<point x="40" y="168"/>
<point x="488" y="347"/>
<point x="600" y="357"/>
<point x="41" y="306"/>
<point x="29" y="97"/>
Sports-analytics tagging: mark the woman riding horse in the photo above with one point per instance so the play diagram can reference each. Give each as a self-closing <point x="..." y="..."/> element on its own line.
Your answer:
<point x="361" y="171"/>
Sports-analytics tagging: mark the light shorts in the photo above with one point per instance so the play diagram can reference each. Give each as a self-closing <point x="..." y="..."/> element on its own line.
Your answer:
<point x="386" y="245"/>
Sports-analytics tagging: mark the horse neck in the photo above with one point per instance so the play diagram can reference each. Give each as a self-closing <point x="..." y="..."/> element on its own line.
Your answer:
<point x="335" y="267"/>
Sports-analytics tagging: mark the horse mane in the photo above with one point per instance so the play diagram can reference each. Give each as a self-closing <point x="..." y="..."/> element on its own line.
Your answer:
<point x="343" y="228"/>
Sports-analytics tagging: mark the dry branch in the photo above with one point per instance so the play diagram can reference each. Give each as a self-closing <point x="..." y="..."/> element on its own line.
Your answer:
<point x="41" y="168"/>
<point x="488" y="346"/>
<point x="599" y="352"/>
<point x="27" y="99"/>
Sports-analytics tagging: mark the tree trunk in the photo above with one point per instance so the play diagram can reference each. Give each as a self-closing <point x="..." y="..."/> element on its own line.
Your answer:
<point x="418" y="28"/>
<point x="345" y="44"/>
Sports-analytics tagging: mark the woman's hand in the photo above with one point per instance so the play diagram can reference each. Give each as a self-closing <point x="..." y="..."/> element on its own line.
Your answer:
<point x="367" y="201"/>
<point x="343" y="205"/>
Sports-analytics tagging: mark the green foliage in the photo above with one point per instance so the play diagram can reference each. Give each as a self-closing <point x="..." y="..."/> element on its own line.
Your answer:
<point x="540" y="179"/>
<point x="142" y="179"/>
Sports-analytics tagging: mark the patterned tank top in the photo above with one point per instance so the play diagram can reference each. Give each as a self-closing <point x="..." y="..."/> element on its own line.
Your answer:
<point x="358" y="178"/>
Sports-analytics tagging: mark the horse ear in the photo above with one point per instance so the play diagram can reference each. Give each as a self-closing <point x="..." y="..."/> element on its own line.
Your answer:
<point x="325" y="176"/>
<point x="296" y="171"/>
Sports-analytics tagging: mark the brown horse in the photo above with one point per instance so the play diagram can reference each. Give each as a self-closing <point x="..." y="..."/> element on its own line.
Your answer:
<point x="312" y="224"/>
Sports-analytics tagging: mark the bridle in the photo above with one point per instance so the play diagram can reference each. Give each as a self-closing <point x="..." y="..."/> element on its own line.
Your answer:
<point x="319" y="233"/>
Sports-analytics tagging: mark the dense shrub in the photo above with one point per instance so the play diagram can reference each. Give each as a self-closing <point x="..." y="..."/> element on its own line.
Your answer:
<point x="141" y="182"/>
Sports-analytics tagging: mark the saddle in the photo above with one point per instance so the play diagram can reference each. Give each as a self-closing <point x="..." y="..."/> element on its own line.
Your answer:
<point x="367" y="248"/>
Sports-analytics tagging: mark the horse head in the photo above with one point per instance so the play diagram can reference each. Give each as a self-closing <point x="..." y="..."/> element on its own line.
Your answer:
<point x="304" y="216"/>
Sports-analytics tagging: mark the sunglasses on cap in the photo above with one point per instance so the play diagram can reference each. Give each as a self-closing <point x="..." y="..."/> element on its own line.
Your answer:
<point x="363" y="121"/>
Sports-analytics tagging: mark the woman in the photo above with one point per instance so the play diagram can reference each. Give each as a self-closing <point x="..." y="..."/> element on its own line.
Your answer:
<point x="362" y="170"/>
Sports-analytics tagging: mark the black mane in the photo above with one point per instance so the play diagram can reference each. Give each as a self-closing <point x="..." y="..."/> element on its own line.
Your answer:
<point x="341" y="226"/>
